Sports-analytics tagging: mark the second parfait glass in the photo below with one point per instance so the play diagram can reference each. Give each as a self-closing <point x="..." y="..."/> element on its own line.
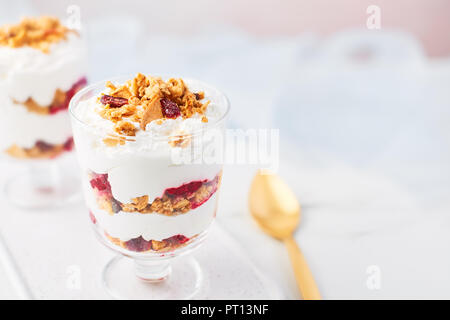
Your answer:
<point x="42" y="65"/>
<point x="151" y="199"/>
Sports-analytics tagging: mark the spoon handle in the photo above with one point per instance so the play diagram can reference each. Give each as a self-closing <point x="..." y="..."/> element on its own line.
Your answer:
<point x="303" y="275"/>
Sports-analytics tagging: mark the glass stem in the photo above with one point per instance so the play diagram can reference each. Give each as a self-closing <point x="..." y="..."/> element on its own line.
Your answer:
<point x="153" y="271"/>
<point x="45" y="176"/>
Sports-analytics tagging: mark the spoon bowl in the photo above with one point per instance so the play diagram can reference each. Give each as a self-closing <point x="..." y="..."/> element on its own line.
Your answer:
<point x="273" y="206"/>
<point x="276" y="210"/>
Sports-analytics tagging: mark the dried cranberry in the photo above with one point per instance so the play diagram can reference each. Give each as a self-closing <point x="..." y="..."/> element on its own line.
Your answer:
<point x="169" y="108"/>
<point x="177" y="239"/>
<point x="114" y="102"/>
<point x="43" y="146"/>
<point x="69" y="95"/>
<point x="138" y="244"/>
<point x="100" y="182"/>
<point x="68" y="145"/>
<point x="185" y="189"/>
<point x="116" y="205"/>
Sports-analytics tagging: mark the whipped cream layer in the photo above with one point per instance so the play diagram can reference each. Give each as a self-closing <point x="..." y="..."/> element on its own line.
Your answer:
<point x="146" y="165"/>
<point x="153" y="226"/>
<point x="29" y="73"/>
<point x="24" y="128"/>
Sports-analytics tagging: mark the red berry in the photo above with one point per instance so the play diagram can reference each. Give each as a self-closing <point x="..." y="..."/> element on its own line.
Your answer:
<point x="69" y="95"/>
<point x="68" y="145"/>
<point x="138" y="244"/>
<point x="177" y="239"/>
<point x="43" y="146"/>
<point x="185" y="189"/>
<point x="169" y="108"/>
<point x="114" y="102"/>
<point x="115" y="205"/>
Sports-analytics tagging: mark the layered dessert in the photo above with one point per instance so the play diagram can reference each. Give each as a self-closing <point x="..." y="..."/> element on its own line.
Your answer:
<point x="126" y="134"/>
<point x="42" y="66"/>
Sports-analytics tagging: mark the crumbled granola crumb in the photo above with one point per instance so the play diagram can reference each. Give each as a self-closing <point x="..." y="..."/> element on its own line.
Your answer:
<point x="125" y="128"/>
<point x="144" y="96"/>
<point x="38" y="33"/>
<point x="181" y="141"/>
<point x="112" y="141"/>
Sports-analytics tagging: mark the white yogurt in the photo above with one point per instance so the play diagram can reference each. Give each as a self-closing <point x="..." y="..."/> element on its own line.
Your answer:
<point x="154" y="226"/>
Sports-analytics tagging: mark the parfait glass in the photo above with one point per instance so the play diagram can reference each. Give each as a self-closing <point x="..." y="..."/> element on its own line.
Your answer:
<point x="173" y="180"/>
<point x="38" y="78"/>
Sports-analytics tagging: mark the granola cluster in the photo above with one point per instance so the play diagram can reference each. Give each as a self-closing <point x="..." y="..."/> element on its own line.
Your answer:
<point x="141" y="245"/>
<point x="144" y="99"/>
<point x="38" y="33"/>
<point x="40" y="150"/>
<point x="60" y="101"/>
<point x="174" y="201"/>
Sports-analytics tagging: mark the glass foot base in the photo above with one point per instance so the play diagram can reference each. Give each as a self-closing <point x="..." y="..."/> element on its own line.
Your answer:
<point x="40" y="190"/>
<point x="125" y="278"/>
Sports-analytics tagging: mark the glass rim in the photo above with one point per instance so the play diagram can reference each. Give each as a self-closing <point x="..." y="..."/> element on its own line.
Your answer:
<point x="211" y="125"/>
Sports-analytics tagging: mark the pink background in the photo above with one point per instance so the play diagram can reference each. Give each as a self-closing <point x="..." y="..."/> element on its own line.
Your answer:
<point x="428" y="20"/>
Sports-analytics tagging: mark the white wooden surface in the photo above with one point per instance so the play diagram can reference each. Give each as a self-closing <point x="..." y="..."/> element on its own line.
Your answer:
<point x="364" y="146"/>
<point x="53" y="254"/>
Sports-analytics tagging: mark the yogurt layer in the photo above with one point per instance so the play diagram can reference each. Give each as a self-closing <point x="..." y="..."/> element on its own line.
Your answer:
<point x="24" y="128"/>
<point x="130" y="225"/>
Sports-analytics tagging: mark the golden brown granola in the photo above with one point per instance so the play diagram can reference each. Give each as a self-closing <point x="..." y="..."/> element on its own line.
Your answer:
<point x="35" y="152"/>
<point x="158" y="246"/>
<point x="144" y="96"/>
<point x="125" y="128"/>
<point x="33" y="106"/>
<point x="114" y="141"/>
<point x="38" y="33"/>
<point x="166" y="205"/>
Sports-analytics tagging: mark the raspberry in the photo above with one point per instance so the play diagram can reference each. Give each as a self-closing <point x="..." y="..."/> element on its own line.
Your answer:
<point x="169" y="108"/>
<point x="138" y="244"/>
<point x="114" y="102"/>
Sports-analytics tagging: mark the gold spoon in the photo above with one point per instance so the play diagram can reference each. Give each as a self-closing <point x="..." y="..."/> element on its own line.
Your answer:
<point x="276" y="210"/>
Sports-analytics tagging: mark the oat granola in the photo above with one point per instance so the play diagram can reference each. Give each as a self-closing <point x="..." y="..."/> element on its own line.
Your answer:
<point x="145" y="99"/>
<point x="173" y="202"/>
<point x="38" y="33"/>
<point x="141" y="245"/>
<point x="40" y="150"/>
<point x="60" y="100"/>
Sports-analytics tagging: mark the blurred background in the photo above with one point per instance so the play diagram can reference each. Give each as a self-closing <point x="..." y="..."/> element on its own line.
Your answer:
<point x="363" y="115"/>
